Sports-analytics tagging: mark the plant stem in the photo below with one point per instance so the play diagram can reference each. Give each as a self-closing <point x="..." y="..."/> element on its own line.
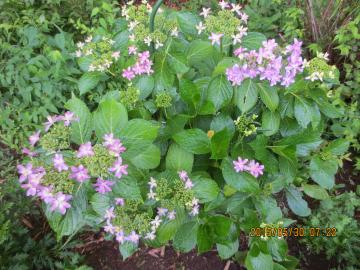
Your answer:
<point x="152" y="19"/>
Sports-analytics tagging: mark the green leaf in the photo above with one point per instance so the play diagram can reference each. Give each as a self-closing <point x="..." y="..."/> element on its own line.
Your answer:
<point x="221" y="225"/>
<point x="338" y="147"/>
<point x="198" y="51"/>
<point x="177" y="62"/>
<point x="185" y="237"/>
<point x="80" y="130"/>
<point x="246" y="95"/>
<point x="204" y="238"/>
<point x="243" y="181"/>
<point x="127" y="188"/>
<point x="127" y="249"/>
<point x="296" y="203"/>
<point x="219" y="144"/>
<point x="315" y="191"/>
<point x="269" y="96"/>
<point x="110" y="117"/>
<point x="253" y="40"/>
<point x="164" y="78"/>
<point x="303" y="112"/>
<point x="88" y="81"/>
<point x="226" y="251"/>
<point x="205" y="189"/>
<point x="146" y="85"/>
<point x="139" y="130"/>
<point x="187" y="21"/>
<point x="190" y="93"/>
<point x="167" y="230"/>
<point x="149" y="158"/>
<point x="121" y="41"/>
<point x="323" y="171"/>
<point x="179" y="159"/>
<point x="257" y="260"/>
<point x="100" y="203"/>
<point x="220" y="91"/>
<point x="223" y="65"/>
<point x="270" y="122"/>
<point x="193" y="140"/>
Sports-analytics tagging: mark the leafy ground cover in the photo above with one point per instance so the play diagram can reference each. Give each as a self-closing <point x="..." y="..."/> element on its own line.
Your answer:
<point x="191" y="128"/>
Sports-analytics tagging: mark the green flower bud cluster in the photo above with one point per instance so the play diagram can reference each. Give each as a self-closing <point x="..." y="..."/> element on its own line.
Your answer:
<point x="172" y="194"/>
<point x="100" y="51"/>
<point x="224" y="22"/>
<point x="130" y="97"/>
<point x="319" y="69"/>
<point x="245" y="125"/>
<point x="131" y="217"/>
<point x="98" y="164"/>
<point x="163" y="100"/>
<point x="56" y="139"/>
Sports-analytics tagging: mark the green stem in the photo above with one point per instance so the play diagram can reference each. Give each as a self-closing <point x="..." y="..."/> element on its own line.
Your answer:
<point x="152" y="19"/>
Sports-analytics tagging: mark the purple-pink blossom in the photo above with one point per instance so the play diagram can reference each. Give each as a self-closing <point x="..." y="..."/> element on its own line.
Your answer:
<point x="24" y="171"/>
<point x="215" y="38"/>
<point x="28" y="152"/>
<point x="45" y="194"/>
<point x="133" y="237"/>
<point x="118" y="168"/>
<point x="103" y="186"/>
<point x="255" y="168"/>
<point x="59" y="163"/>
<point x="60" y="202"/>
<point x="79" y="173"/>
<point x="68" y="117"/>
<point x="240" y="165"/>
<point x="183" y="175"/>
<point x="120" y="237"/>
<point x="142" y="65"/>
<point x="34" y="138"/>
<point x="85" y="150"/>
<point x="120" y="201"/>
<point x="51" y="120"/>
<point x="109" y="213"/>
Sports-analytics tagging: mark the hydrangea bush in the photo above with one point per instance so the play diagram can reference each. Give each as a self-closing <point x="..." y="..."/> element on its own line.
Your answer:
<point x="210" y="125"/>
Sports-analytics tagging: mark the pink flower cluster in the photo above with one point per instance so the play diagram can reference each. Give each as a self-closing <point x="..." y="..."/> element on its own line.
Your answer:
<point x="142" y="65"/>
<point x="188" y="185"/>
<point x="252" y="167"/>
<point x="119" y="234"/>
<point x="268" y="63"/>
<point x="30" y="179"/>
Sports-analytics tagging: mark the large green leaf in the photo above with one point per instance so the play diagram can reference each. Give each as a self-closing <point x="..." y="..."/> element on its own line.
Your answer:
<point x="149" y="158"/>
<point x="88" y="81"/>
<point x="127" y="249"/>
<point x="198" y="51"/>
<point x="323" y="171"/>
<point x="219" y="92"/>
<point x="257" y="260"/>
<point x="269" y="96"/>
<point x="110" y="117"/>
<point x="164" y="78"/>
<point x="167" y="229"/>
<point x="242" y="181"/>
<point x="81" y="130"/>
<point x="205" y="189"/>
<point x="100" y="203"/>
<point x="296" y="203"/>
<point x="303" y="112"/>
<point x="179" y="159"/>
<point x="127" y="188"/>
<point x="227" y="250"/>
<point x="193" y="140"/>
<point x="187" y="22"/>
<point x="185" y="237"/>
<point x="270" y="122"/>
<point x="145" y="84"/>
<point x="253" y="40"/>
<point x="220" y="144"/>
<point x="246" y="95"/>
<point x="315" y="191"/>
<point x="204" y="238"/>
<point x="190" y="93"/>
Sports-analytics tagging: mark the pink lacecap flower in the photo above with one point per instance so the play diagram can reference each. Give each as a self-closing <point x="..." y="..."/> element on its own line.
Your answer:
<point x="162" y="211"/>
<point x="120" y="237"/>
<point x="189" y="184"/>
<point x="68" y="117"/>
<point x="118" y="168"/>
<point x="59" y="163"/>
<point x="133" y="237"/>
<point x="128" y="74"/>
<point x="79" y="173"/>
<point x="183" y="175"/>
<point x="215" y="38"/>
<point x="240" y="165"/>
<point x="51" y="120"/>
<point x="85" y="150"/>
<point x="103" y="186"/>
<point x="172" y="215"/>
<point x="109" y="213"/>
<point x="255" y="168"/>
<point x="109" y="228"/>
<point x="24" y="171"/>
<point x="34" y="138"/>
<point x="132" y="50"/>
<point x="46" y="195"/>
<point x="195" y="210"/>
<point x="119" y="201"/>
<point x="60" y="202"/>
<point x="28" y="152"/>
<point x="108" y="139"/>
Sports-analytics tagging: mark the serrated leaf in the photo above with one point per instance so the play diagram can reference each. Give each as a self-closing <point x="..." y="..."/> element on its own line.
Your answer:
<point x="246" y="95"/>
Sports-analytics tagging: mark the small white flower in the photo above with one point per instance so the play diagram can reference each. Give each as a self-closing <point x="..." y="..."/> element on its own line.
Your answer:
<point x="158" y="44"/>
<point x="151" y="195"/>
<point x="150" y="235"/>
<point x="305" y="64"/>
<point x="200" y="27"/>
<point x="156" y="222"/>
<point x="244" y="17"/>
<point x="92" y="67"/>
<point x="132" y="25"/>
<point x="194" y="202"/>
<point x="236" y="38"/>
<point x="223" y="4"/>
<point x="172" y="215"/>
<point x="88" y="39"/>
<point x="80" y="45"/>
<point x="111" y="42"/>
<point x="195" y="210"/>
<point x="147" y="40"/>
<point x="144" y="2"/>
<point x="324" y="56"/>
<point x="152" y="183"/>
<point x="125" y="12"/>
<point x="115" y="55"/>
<point x="205" y="12"/>
<point x="174" y="32"/>
<point x="88" y="52"/>
<point x="132" y="37"/>
<point x="236" y="8"/>
<point x="78" y="53"/>
<point x="242" y="30"/>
